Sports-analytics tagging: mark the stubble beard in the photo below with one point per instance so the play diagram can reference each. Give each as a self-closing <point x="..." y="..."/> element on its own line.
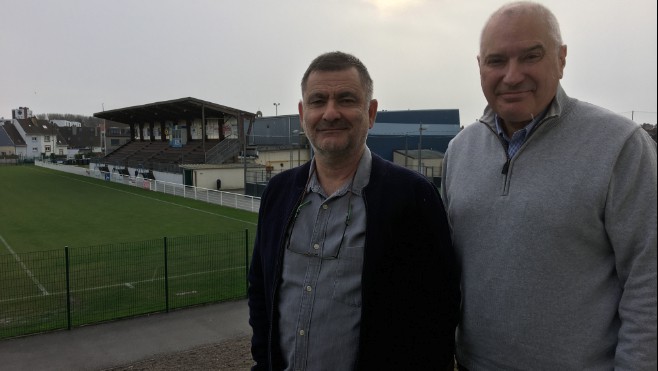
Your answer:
<point x="339" y="151"/>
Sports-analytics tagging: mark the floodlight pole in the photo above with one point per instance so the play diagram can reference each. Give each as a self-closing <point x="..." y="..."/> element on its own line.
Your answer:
<point x="290" y="142"/>
<point x="300" y="136"/>
<point x="299" y="148"/>
<point x="420" y="146"/>
<point x="406" y="150"/>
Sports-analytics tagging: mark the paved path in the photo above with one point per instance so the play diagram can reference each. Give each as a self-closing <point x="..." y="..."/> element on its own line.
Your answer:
<point x="97" y="347"/>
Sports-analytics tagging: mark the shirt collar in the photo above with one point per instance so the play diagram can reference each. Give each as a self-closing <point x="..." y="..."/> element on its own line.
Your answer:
<point x="526" y="129"/>
<point x="361" y="178"/>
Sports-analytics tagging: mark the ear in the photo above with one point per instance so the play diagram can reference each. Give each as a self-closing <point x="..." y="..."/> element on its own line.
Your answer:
<point x="372" y="112"/>
<point x="562" y="57"/>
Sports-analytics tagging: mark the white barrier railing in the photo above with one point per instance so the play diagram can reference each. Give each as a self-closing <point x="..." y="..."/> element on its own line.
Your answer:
<point x="223" y="198"/>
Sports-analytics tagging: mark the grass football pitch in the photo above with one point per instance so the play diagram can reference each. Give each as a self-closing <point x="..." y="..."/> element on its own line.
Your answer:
<point x="115" y="237"/>
<point x="42" y="209"/>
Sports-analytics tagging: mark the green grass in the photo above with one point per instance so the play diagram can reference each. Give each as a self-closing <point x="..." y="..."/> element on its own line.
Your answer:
<point x="42" y="209"/>
<point x="116" y="257"/>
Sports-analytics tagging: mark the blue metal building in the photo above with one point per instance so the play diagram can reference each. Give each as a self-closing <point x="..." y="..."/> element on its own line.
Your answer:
<point x="393" y="130"/>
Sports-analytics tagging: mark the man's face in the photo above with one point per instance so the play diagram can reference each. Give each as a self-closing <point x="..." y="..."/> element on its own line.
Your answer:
<point x="335" y="114"/>
<point x="520" y="67"/>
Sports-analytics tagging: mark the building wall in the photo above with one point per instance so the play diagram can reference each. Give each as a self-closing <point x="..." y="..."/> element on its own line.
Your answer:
<point x="21" y="113"/>
<point x="277" y="130"/>
<point x="232" y="178"/>
<point x="430" y="167"/>
<point x="400" y="129"/>
<point x="7" y="150"/>
<point x="21" y="151"/>
<point x="289" y="158"/>
<point x="385" y="145"/>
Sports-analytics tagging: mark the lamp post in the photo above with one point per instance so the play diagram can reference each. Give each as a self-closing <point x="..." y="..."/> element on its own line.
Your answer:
<point x="276" y="109"/>
<point x="420" y="146"/>
<point x="54" y="139"/>
<point x="406" y="150"/>
<point x="290" y="143"/>
<point x="299" y="148"/>
<point x="300" y="135"/>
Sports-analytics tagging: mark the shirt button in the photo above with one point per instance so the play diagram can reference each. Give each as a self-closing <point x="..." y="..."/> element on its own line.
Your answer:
<point x="301" y="332"/>
<point x="316" y="246"/>
<point x="325" y="206"/>
<point x="309" y="288"/>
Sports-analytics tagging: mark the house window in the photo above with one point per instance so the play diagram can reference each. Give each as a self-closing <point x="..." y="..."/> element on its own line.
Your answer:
<point x="46" y="138"/>
<point x="35" y="149"/>
<point x="47" y="148"/>
<point x="34" y="139"/>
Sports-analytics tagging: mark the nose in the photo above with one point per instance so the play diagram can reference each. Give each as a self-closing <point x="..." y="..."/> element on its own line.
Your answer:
<point x="331" y="111"/>
<point x="514" y="73"/>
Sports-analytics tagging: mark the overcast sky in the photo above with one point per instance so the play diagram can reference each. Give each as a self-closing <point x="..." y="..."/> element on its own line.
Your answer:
<point x="83" y="56"/>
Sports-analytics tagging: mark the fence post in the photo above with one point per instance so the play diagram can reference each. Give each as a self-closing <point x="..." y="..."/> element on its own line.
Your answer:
<point x="246" y="260"/>
<point x="68" y="288"/>
<point x="166" y="278"/>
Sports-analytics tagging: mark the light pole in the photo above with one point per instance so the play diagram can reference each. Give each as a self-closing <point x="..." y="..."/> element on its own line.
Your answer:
<point x="299" y="148"/>
<point x="406" y="150"/>
<point x="52" y="150"/>
<point x="300" y="135"/>
<point x="276" y="109"/>
<point x="290" y="143"/>
<point x="420" y="146"/>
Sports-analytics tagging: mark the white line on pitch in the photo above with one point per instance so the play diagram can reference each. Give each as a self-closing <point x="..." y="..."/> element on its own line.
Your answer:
<point x="128" y="284"/>
<point x="27" y="271"/>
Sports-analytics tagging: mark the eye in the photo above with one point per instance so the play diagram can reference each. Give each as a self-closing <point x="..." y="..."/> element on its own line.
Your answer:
<point x="347" y="99"/>
<point x="533" y="57"/>
<point x="494" y="61"/>
<point x="315" y="101"/>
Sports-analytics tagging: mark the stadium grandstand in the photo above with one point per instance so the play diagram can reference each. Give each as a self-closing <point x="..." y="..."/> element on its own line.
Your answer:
<point x="178" y="136"/>
<point x="199" y="143"/>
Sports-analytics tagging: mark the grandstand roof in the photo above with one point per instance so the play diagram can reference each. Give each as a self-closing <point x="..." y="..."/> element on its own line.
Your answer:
<point x="172" y="110"/>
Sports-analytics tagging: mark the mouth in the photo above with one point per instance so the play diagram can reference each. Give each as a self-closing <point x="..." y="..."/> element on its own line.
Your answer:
<point x="518" y="90"/>
<point x="514" y="95"/>
<point x="332" y="129"/>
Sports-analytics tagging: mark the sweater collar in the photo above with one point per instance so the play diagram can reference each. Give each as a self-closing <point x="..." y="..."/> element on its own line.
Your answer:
<point x="556" y="108"/>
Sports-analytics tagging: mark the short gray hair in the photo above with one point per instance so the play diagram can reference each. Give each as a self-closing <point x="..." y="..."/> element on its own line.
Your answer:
<point x="339" y="61"/>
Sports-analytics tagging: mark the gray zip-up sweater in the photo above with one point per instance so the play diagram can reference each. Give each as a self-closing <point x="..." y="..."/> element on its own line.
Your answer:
<point x="557" y="245"/>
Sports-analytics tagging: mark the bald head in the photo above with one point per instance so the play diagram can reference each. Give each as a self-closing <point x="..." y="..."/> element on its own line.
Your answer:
<point x="533" y="12"/>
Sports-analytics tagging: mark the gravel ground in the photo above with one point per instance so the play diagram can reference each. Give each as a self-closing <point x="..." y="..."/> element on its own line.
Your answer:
<point x="229" y="355"/>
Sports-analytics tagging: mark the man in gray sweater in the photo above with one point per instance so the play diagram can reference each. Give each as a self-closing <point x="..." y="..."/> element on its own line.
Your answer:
<point x="552" y="202"/>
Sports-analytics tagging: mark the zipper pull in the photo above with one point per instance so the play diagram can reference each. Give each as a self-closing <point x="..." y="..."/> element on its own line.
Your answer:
<point x="506" y="167"/>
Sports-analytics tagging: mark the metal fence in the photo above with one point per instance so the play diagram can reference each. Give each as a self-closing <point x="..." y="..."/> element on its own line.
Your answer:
<point x="61" y="289"/>
<point x="223" y="198"/>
